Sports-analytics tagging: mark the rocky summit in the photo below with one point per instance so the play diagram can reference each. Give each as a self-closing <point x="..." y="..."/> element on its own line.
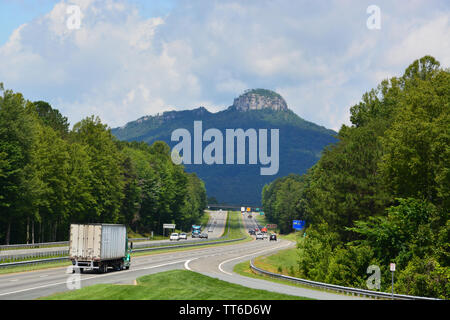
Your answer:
<point x="257" y="99"/>
<point x="300" y="142"/>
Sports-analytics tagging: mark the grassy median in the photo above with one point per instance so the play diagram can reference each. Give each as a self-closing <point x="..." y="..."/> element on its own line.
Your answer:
<point x="172" y="285"/>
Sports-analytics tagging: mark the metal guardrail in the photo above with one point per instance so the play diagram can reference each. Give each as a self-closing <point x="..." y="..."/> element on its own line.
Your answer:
<point x="49" y="244"/>
<point x="138" y="248"/>
<point x="34" y="245"/>
<point x="32" y="255"/>
<point x="32" y="262"/>
<point x="198" y="244"/>
<point x="340" y="289"/>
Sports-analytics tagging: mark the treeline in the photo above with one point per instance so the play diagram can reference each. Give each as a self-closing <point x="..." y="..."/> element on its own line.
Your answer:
<point x="382" y="193"/>
<point x="51" y="176"/>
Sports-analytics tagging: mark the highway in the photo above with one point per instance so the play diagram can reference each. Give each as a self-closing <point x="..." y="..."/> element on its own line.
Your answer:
<point x="214" y="234"/>
<point x="214" y="261"/>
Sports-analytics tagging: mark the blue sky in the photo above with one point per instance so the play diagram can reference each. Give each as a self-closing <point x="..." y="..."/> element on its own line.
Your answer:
<point x="132" y="58"/>
<point x="14" y="13"/>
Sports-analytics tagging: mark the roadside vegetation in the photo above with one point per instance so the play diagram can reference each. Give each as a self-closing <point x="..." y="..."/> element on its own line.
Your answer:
<point x="51" y="176"/>
<point x="381" y="194"/>
<point x="172" y="285"/>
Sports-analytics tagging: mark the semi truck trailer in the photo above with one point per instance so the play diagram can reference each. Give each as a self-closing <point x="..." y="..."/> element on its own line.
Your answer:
<point x="99" y="246"/>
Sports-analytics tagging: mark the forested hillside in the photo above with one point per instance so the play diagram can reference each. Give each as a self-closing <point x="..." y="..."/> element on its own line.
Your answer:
<point x="300" y="144"/>
<point x="51" y="176"/>
<point x="382" y="193"/>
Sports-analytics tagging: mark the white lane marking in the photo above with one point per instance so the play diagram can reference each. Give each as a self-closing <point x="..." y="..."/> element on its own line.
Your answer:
<point x="186" y="264"/>
<point x="251" y="254"/>
<point x="45" y="275"/>
<point x="96" y="277"/>
<point x="13" y="280"/>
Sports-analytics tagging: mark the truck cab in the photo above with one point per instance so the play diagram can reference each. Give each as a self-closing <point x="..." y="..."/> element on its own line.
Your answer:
<point x="127" y="258"/>
<point x="196" y="231"/>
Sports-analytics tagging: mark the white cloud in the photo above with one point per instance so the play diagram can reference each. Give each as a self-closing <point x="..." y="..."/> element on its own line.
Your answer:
<point x="121" y="66"/>
<point x="428" y="38"/>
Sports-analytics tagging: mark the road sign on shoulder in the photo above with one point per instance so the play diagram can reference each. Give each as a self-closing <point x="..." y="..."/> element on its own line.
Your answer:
<point x="392" y="267"/>
<point x="298" y="224"/>
<point x="168" y="226"/>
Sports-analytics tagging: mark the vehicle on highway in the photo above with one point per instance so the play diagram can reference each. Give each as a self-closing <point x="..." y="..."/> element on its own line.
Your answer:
<point x="196" y="231"/>
<point x="265" y="236"/>
<point x="259" y="236"/>
<point x="183" y="236"/>
<point x="174" y="236"/>
<point x="264" y="230"/>
<point x="203" y="235"/>
<point x="251" y="232"/>
<point x="99" y="246"/>
<point x="273" y="237"/>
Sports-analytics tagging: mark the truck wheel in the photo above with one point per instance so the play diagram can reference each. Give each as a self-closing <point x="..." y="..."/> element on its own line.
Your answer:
<point x="103" y="268"/>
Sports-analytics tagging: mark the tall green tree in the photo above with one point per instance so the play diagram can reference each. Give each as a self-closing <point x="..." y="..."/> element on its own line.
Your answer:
<point x="16" y="140"/>
<point x="105" y="166"/>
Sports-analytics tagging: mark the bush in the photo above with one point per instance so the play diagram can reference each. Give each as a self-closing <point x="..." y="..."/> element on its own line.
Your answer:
<point x="424" y="277"/>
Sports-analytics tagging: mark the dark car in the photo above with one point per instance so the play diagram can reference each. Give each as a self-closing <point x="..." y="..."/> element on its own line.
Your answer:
<point x="273" y="237"/>
<point x="204" y="235"/>
<point x="251" y="232"/>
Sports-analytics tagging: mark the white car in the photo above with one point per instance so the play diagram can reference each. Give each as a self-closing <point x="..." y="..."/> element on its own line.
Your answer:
<point x="183" y="236"/>
<point x="260" y="236"/>
<point x="174" y="236"/>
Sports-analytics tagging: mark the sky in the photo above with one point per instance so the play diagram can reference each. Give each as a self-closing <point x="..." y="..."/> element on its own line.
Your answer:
<point x="130" y="58"/>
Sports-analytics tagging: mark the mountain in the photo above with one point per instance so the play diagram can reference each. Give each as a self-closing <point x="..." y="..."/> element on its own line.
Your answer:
<point x="300" y="142"/>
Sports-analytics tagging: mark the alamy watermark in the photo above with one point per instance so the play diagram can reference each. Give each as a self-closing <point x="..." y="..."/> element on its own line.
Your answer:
<point x="213" y="153"/>
<point x="73" y="22"/>
<point x="374" y="20"/>
<point x="73" y="281"/>
<point x="374" y="280"/>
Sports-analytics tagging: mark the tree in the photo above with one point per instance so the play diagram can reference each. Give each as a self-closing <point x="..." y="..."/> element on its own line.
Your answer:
<point x="16" y="140"/>
<point x="52" y="117"/>
<point x="105" y="165"/>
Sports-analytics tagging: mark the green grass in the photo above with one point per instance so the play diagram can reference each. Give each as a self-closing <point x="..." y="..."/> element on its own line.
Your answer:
<point x="235" y="228"/>
<point x="172" y="285"/>
<point x="204" y="219"/>
<point x="244" y="269"/>
<point x="282" y="262"/>
<point x="36" y="267"/>
<point x="43" y="256"/>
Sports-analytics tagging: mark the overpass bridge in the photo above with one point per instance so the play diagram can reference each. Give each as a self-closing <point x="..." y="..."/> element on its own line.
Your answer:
<point x="231" y="207"/>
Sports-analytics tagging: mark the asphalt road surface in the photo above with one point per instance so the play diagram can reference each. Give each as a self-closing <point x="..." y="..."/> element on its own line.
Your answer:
<point x="216" y="224"/>
<point x="215" y="261"/>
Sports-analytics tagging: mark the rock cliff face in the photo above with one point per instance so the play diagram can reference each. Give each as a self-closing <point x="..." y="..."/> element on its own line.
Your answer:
<point x="258" y="99"/>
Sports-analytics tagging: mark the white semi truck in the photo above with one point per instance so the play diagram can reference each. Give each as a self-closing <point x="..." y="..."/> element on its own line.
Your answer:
<point x="99" y="246"/>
